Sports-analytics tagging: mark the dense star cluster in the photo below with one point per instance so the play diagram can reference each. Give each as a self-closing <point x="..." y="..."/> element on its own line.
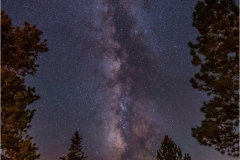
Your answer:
<point x="128" y="83"/>
<point x="118" y="72"/>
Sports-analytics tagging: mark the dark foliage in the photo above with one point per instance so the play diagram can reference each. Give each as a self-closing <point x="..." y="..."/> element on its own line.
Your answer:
<point x="75" y="151"/>
<point x="170" y="151"/>
<point x="19" y="50"/>
<point x="217" y="54"/>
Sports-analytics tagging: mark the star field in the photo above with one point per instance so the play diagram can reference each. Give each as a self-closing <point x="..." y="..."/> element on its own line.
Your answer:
<point x="118" y="72"/>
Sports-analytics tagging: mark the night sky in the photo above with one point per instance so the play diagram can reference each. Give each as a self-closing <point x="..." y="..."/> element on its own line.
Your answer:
<point x="118" y="72"/>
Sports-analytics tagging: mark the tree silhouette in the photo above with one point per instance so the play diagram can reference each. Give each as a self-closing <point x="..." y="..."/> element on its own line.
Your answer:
<point x="170" y="151"/>
<point x="75" y="151"/>
<point x="217" y="54"/>
<point x="19" y="50"/>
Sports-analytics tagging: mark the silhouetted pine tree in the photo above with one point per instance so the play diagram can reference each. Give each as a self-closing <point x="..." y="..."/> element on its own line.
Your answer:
<point x="216" y="52"/>
<point x="170" y="151"/>
<point x="19" y="51"/>
<point x="75" y="151"/>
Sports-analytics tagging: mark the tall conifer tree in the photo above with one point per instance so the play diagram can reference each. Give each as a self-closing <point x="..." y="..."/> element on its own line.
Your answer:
<point x="170" y="151"/>
<point x="216" y="52"/>
<point x="75" y="151"/>
<point x="19" y="50"/>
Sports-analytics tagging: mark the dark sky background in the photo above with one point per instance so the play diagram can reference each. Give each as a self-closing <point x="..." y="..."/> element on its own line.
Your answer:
<point x="118" y="72"/>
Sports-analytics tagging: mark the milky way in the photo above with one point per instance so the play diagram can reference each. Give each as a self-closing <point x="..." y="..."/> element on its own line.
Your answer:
<point x="118" y="72"/>
<point x="131" y="132"/>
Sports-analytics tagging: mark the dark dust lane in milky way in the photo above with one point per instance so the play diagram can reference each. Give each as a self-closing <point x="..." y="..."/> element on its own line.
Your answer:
<point x="131" y="131"/>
